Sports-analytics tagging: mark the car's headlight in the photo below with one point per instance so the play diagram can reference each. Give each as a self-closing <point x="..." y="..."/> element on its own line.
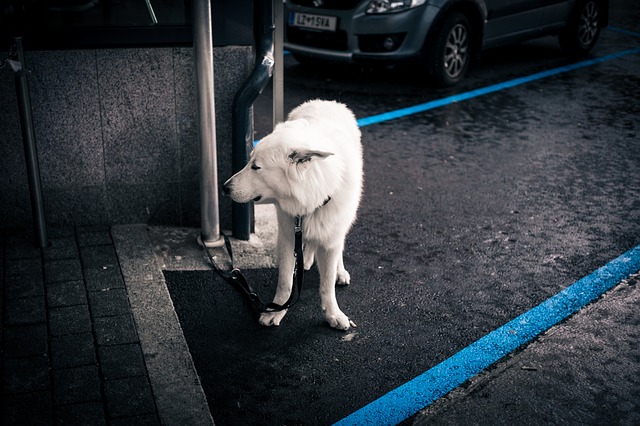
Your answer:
<point x="391" y="6"/>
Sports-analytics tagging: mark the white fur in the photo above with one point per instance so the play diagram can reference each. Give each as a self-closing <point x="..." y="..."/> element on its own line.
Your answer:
<point x="314" y="155"/>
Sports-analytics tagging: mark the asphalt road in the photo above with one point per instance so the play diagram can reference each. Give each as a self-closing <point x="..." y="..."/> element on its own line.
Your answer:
<point x="473" y="213"/>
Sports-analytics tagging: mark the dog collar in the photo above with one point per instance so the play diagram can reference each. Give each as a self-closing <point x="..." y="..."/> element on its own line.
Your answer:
<point x="300" y="217"/>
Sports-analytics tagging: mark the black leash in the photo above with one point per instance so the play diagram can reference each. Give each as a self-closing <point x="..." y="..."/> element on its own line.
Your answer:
<point x="240" y="283"/>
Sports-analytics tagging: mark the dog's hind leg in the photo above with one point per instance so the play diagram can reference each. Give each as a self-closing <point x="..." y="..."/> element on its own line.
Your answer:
<point x="328" y="260"/>
<point x="309" y="256"/>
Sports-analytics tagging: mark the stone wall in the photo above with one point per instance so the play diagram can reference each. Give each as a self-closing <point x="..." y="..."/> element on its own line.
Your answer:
<point x="116" y="135"/>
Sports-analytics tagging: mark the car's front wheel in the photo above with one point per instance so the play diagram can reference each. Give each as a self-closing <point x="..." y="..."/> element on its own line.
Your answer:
<point x="583" y="29"/>
<point x="449" y="54"/>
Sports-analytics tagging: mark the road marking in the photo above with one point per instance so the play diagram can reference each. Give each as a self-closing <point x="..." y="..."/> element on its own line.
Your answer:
<point x="413" y="396"/>
<point x="404" y="112"/>
<point x="623" y="31"/>
<point x="406" y="400"/>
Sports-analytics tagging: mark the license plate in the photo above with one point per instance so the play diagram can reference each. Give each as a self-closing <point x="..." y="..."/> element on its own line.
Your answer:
<point x="316" y="22"/>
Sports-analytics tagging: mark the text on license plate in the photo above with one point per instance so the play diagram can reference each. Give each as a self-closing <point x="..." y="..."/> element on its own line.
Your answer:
<point x="318" y="22"/>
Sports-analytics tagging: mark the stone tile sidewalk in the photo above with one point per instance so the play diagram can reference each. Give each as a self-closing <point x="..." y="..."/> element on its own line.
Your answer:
<point x="71" y="342"/>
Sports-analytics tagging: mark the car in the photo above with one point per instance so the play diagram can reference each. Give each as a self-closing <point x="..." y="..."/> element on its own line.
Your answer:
<point x="441" y="36"/>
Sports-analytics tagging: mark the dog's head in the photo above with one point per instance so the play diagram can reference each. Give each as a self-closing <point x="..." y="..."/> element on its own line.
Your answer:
<point x="283" y="169"/>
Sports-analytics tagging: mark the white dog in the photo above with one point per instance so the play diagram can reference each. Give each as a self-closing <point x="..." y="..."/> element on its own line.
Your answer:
<point x="309" y="166"/>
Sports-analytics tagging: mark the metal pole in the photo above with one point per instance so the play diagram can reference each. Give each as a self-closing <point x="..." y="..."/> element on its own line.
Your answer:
<point x="30" y="149"/>
<point x="203" y="52"/>
<point x="152" y="14"/>
<point x="278" y="74"/>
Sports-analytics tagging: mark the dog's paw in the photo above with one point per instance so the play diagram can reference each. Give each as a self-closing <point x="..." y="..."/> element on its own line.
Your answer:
<point x="343" y="278"/>
<point x="339" y="321"/>
<point x="269" y="319"/>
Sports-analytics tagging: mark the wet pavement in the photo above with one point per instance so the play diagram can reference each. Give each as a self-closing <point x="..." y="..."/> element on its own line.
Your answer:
<point x="473" y="213"/>
<point x="583" y="371"/>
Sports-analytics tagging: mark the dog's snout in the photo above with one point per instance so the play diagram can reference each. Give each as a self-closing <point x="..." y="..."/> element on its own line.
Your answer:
<point x="226" y="187"/>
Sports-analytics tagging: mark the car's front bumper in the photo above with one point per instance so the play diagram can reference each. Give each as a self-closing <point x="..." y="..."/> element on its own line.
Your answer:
<point x="362" y="37"/>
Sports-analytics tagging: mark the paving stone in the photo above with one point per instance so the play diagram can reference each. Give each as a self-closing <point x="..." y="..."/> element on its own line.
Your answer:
<point x="66" y="294"/>
<point x="104" y="278"/>
<point x="33" y="409"/>
<point x="26" y="374"/>
<point x="94" y="237"/>
<point x="78" y="384"/>
<point x="61" y="231"/>
<point x="30" y="310"/>
<point x="21" y="247"/>
<point x="62" y="270"/>
<point x="121" y="361"/>
<point x="115" y="330"/>
<point x="143" y="420"/>
<point x="31" y="266"/>
<point x="109" y="302"/>
<point x="26" y="341"/>
<point x="52" y="370"/>
<point x="69" y="320"/>
<point x="61" y="248"/>
<point x="73" y="350"/>
<point x="88" y="413"/>
<point x="97" y="257"/>
<point x="25" y="285"/>
<point x="129" y="396"/>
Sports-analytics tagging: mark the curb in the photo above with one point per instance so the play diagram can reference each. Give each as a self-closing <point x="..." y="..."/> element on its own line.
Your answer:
<point x="176" y="386"/>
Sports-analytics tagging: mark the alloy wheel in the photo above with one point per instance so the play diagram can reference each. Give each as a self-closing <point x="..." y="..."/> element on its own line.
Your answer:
<point x="588" y="26"/>
<point x="456" y="53"/>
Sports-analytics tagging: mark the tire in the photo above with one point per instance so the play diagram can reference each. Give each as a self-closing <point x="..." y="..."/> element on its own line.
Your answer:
<point x="449" y="54"/>
<point x="583" y="29"/>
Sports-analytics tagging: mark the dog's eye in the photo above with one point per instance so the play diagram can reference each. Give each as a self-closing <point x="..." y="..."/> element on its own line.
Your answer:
<point x="254" y="166"/>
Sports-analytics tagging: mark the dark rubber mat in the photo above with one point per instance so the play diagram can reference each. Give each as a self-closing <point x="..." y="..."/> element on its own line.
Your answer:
<point x="302" y="372"/>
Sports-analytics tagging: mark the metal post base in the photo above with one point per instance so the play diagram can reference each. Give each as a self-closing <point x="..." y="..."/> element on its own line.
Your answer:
<point x="210" y="244"/>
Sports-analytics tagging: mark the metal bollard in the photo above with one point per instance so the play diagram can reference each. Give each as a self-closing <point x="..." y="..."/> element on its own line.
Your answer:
<point x="30" y="149"/>
<point x="203" y="51"/>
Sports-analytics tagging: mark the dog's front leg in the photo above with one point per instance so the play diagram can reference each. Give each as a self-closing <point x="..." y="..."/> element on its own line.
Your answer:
<point x="286" y="265"/>
<point x="328" y="260"/>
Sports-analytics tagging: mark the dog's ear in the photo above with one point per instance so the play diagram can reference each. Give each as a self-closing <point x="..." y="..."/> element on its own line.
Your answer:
<point x="300" y="156"/>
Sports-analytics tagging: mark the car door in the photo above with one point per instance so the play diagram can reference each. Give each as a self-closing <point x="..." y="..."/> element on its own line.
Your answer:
<point x="510" y="20"/>
<point x="556" y="13"/>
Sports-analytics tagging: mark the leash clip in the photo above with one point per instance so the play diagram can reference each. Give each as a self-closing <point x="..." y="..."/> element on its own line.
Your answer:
<point x="240" y="283"/>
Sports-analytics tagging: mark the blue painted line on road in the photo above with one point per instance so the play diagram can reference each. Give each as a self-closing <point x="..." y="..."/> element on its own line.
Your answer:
<point x="623" y="31"/>
<point x="408" y="399"/>
<point x="404" y="112"/>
